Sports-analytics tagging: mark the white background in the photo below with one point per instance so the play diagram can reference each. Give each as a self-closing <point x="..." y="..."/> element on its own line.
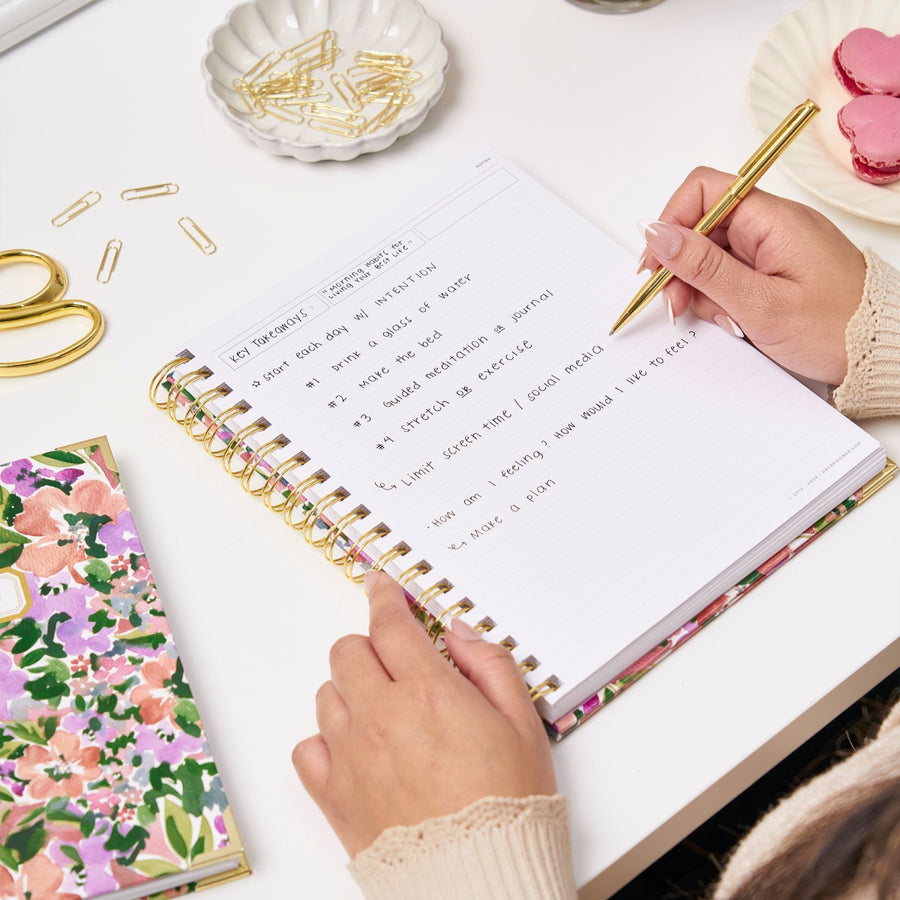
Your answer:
<point x="611" y="112"/>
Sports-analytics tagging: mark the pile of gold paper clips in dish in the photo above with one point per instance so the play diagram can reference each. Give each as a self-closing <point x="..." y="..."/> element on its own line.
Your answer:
<point x="284" y="85"/>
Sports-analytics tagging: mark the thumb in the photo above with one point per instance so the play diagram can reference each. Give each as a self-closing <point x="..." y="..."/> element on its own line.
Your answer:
<point x="492" y="669"/>
<point x="721" y="282"/>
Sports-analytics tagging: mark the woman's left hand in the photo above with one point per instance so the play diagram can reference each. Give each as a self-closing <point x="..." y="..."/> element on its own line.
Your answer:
<point x="404" y="736"/>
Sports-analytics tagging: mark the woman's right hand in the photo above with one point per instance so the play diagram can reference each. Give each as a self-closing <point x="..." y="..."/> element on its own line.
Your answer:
<point x="777" y="271"/>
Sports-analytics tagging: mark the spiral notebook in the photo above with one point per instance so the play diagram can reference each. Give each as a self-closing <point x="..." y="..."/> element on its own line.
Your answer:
<point x="438" y="396"/>
<point x="108" y="788"/>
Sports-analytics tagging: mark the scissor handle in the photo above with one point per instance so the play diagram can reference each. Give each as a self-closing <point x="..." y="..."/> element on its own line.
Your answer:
<point x="53" y="290"/>
<point x="23" y="316"/>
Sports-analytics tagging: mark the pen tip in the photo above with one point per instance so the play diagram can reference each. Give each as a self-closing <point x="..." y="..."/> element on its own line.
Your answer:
<point x="612" y="331"/>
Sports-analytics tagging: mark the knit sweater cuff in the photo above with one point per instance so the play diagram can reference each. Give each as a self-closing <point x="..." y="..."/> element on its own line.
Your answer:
<point x="872" y="385"/>
<point x="505" y="848"/>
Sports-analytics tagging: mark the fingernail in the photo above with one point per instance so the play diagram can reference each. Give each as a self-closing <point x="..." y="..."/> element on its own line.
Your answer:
<point x="642" y="262"/>
<point x="464" y="630"/>
<point x="372" y="577"/>
<point x="728" y="324"/>
<point x="669" y="311"/>
<point x="664" y="240"/>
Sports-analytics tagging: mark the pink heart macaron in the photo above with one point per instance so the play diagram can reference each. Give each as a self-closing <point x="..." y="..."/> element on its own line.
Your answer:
<point x="872" y="125"/>
<point x="867" y="61"/>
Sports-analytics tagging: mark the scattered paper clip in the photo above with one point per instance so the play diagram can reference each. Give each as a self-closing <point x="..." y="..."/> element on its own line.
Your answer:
<point x="150" y="190"/>
<point x="76" y="209"/>
<point x="109" y="261"/>
<point x="197" y="235"/>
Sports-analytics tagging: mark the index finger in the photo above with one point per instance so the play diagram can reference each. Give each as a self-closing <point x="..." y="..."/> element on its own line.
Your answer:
<point x="399" y="640"/>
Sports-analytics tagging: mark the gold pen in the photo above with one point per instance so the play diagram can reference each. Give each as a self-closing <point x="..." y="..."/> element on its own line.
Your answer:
<point x="747" y="176"/>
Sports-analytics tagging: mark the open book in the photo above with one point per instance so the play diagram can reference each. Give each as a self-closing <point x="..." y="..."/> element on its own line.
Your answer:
<point x="439" y="396"/>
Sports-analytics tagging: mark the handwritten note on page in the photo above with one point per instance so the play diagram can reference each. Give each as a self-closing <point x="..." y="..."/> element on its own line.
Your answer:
<point x="450" y="367"/>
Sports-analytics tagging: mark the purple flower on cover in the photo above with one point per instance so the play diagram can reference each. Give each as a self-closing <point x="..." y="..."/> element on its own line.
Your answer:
<point x="27" y="480"/>
<point x="158" y="744"/>
<point x="12" y="682"/>
<point x="121" y="538"/>
<point x="77" y="634"/>
<point x="97" y="871"/>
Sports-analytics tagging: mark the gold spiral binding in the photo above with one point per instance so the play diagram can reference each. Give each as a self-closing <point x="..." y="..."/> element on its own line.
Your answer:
<point x="373" y="534"/>
<point x="316" y="513"/>
<point x="198" y="406"/>
<point x="457" y="609"/>
<point x="413" y="572"/>
<point x="438" y="588"/>
<point x="306" y="523"/>
<point x="216" y="423"/>
<point x="178" y="387"/>
<point x="395" y="552"/>
<point x="296" y="495"/>
<point x="542" y="689"/>
<point x="337" y="530"/>
<point x="271" y="484"/>
<point x="237" y="444"/>
<point x="160" y="376"/>
<point x="252" y="465"/>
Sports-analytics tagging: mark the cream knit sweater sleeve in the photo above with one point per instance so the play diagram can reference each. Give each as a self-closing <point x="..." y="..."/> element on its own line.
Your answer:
<point x="498" y="848"/>
<point x="872" y="385"/>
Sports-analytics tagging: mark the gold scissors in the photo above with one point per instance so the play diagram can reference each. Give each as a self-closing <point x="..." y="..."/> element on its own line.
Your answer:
<point x="44" y="306"/>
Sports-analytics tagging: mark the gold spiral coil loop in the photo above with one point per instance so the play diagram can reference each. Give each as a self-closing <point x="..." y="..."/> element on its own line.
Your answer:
<point x="218" y="422"/>
<point x="528" y="664"/>
<point x="395" y="552"/>
<point x="437" y="627"/>
<point x="410" y="574"/>
<point x="178" y="388"/>
<point x="337" y="530"/>
<point x="271" y="484"/>
<point x="317" y="512"/>
<point x="373" y="534"/>
<point x="297" y="495"/>
<point x="237" y="444"/>
<point x="198" y="406"/>
<point x="252" y="465"/>
<point x="542" y="689"/>
<point x="160" y="376"/>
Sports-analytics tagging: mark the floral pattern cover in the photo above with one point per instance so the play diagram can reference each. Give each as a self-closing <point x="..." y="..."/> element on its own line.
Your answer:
<point x="106" y="778"/>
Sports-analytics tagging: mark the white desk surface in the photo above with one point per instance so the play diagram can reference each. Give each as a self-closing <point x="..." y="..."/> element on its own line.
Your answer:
<point x="609" y="111"/>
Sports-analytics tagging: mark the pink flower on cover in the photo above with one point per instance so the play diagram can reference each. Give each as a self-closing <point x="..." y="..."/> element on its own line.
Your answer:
<point x="153" y="697"/>
<point x="60" y="769"/>
<point x="60" y="544"/>
<point x="37" y="878"/>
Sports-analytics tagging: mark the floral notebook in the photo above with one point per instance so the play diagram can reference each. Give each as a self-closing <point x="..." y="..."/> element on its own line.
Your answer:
<point x="107" y="785"/>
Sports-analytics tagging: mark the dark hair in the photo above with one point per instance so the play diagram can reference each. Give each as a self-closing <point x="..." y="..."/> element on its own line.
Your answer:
<point x="851" y="847"/>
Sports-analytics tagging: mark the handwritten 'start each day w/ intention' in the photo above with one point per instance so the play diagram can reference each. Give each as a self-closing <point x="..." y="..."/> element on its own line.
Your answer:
<point x="872" y="124"/>
<point x="867" y="61"/>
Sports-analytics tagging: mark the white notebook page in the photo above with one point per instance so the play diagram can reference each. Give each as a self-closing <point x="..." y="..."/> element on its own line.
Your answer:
<point x="450" y="367"/>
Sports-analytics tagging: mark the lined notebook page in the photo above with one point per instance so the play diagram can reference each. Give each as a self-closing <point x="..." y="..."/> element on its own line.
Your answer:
<point x="451" y="368"/>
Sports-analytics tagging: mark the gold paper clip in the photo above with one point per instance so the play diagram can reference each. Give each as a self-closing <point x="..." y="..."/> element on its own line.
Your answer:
<point x="197" y="235"/>
<point x="109" y="261"/>
<point x="48" y="304"/>
<point x="76" y="209"/>
<point x="150" y="190"/>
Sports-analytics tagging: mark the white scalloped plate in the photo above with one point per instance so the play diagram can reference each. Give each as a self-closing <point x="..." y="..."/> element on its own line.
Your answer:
<point x="794" y="63"/>
<point x="252" y="30"/>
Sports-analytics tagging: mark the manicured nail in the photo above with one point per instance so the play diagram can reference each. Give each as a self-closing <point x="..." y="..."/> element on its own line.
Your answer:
<point x="642" y="262"/>
<point x="664" y="240"/>
<point x="669" y="311"/>
<point x="728" y="324"/>
<point x="464" y="630"/>
<point x="372" y="577"/>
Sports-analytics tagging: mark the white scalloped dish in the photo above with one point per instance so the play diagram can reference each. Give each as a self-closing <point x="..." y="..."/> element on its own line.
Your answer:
<point x="325" y="79"/>
<point x="794" y="63"/>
